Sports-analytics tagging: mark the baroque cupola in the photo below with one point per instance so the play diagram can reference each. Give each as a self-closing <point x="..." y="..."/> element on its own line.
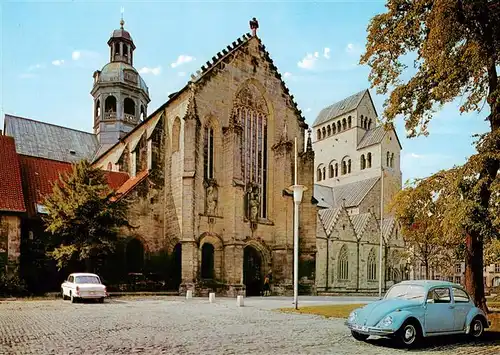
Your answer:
<point x="120" y="94"/>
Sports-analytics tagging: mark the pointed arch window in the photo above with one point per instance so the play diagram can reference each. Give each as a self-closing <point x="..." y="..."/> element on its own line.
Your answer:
<point x="343" y="264"/>
<point x="208" y="153"/>
<point x="372" y="266"/>
<point x="252" y="115"/>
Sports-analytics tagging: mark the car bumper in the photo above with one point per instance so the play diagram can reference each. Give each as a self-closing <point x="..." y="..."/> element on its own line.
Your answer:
<point x="370" y="330"/>
<point x="91" y="295"/>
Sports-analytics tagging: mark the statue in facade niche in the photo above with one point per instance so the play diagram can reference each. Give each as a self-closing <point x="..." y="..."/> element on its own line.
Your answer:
<point x="254" y="203"/>
<point x="212" y="197"/>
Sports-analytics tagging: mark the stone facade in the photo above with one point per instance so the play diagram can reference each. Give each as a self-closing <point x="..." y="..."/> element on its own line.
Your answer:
<point x="356" y="162"/>
<point x="219" y="202"/>
<point x="10" y="241"/>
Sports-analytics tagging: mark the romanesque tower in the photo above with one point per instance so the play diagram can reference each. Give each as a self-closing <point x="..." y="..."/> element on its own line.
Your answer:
<point x="120" y="94"/>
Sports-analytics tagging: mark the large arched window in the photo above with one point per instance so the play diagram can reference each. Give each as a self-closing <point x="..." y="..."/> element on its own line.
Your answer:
<point x="252" y="114"/>
<point x="372" y="266"/>
<point x="363" y="162"/>
<point x="208" y="153"/>
<point x="129" y="107"/>
<point x="207" y="261"/>
<point x="343" y="264"/>
<point x="176" y="133"/>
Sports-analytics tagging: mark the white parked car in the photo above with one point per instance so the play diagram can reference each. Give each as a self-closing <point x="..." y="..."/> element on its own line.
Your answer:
<point x="83" y="286"/>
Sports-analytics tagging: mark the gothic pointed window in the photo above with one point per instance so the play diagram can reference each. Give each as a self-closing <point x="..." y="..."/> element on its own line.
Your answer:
<point x="251" y="113"/>
<point x="372" y="266"/>
<point x="208" y="153"/>
<point x="343" y="264"/>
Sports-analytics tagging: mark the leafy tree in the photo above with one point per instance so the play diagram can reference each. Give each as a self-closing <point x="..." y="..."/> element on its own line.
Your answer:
<point x="456" y="46"/>
<point x="84" y="217"/>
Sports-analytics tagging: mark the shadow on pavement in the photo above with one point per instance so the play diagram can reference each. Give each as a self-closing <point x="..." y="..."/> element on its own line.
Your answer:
<point x="452" y="342"/>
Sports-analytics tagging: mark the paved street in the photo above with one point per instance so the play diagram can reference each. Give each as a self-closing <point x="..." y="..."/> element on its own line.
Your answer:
<point x="172" y="325"/>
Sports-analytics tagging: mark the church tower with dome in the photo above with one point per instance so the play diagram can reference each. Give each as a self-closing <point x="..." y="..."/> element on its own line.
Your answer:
<point x="120" y="94"/>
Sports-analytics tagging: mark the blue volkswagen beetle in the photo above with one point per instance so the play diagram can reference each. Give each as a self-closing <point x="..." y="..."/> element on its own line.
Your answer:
<point x="415" y="309"/>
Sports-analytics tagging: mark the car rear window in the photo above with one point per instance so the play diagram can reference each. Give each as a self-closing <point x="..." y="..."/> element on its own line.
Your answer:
<point x="87" y="280"/>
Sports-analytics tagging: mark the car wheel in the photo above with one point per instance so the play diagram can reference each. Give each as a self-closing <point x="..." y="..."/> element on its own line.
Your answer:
<point x="101" y="300"/>
<point x="359" y="336"/>
<point x="73" y="299"/>
<point x="476" y="328"/>
<point x="409" y="334"/>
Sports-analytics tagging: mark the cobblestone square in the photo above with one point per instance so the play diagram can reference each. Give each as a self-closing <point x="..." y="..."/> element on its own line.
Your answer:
<point x="173" y="325"/>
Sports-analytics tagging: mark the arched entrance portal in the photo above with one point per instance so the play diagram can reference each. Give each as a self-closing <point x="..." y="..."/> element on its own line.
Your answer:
<point x="135" y="256"/>
<point x="252" y="271"/>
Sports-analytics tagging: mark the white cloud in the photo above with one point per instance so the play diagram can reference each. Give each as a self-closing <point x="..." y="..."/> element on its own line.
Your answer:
<point x="182" y="59"/>
<point x="326" y="53"/>
<point x="154" y="71"/>
<point x="309" y="61"/>
<point x="76" y="55"/>
<point x="58" y="62"/>
<point x="353" y="48"/>
<point x="287" y="74"/>
<point x="34" y="67"/>
<point x="181" y="73"/>
<point x="308" y="109"/>
<point x="416" y="156"/>
<point x="27" y="76"/>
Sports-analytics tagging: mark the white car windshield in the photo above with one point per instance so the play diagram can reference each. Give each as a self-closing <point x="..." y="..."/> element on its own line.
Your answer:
<point x="87" y="280"/>
<point x="406" y="292"/>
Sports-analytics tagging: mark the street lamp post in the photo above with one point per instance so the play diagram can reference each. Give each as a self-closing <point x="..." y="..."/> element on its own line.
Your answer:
<point x="298" y="191"/>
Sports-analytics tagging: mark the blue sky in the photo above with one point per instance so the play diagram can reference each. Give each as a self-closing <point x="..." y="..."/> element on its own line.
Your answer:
<point x="51" y="49"/>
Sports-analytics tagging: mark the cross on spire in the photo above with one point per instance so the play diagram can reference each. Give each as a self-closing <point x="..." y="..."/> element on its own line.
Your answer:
<point x="121" y="21"/>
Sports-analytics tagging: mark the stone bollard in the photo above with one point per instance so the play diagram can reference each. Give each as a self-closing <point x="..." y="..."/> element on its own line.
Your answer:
<point x="211" y="297"/>
<point x="189" y="294"/>
<point x="239" y="301"/>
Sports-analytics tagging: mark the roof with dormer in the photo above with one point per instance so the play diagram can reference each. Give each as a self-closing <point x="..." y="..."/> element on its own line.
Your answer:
<point x="348" y="195"/>
<point x="339" y="108"/>
<point x="49" y="141"/>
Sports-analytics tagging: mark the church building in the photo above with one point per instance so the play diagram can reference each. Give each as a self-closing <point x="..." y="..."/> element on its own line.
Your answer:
<point x="357" y="173"/>
<point x="207" y="173"/>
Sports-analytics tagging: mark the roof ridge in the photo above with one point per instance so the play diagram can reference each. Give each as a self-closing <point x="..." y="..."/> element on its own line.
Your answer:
<point x="47" y="123"/>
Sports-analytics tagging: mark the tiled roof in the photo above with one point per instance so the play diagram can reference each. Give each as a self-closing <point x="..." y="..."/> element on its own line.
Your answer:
<point x="388" y="226"/>
<point x="359" y="222"/>
<point x="375" y="136"/>
<point x="329" y="218"/>
<point x="131" y="183"/>
<point x="324" y="196"/>
<point x="353" y="193"/>
<point x="11" y="189"/>
<point x="39" y="175"/>
<point x="45" y="140"/>
<point x="339" y="108"/>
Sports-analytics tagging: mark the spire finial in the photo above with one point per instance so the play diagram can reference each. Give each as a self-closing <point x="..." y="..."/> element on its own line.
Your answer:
<point x="309" y="141"/>
<point x="121" y="21"/>
<point x="254" y="25"/>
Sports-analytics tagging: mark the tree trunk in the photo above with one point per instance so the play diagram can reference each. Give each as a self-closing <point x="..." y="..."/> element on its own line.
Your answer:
<point x="474" y="270"/>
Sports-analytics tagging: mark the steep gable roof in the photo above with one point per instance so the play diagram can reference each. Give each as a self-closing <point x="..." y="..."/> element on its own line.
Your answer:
<point x="376" y="135"/>
<point x="328" y="218"/>
<point x="11" y="189"/>
<point x="360" y="222"/>
<point x="49" y="141"/>
<point x="207" y="69"/>
<point x="339" y="108"/>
